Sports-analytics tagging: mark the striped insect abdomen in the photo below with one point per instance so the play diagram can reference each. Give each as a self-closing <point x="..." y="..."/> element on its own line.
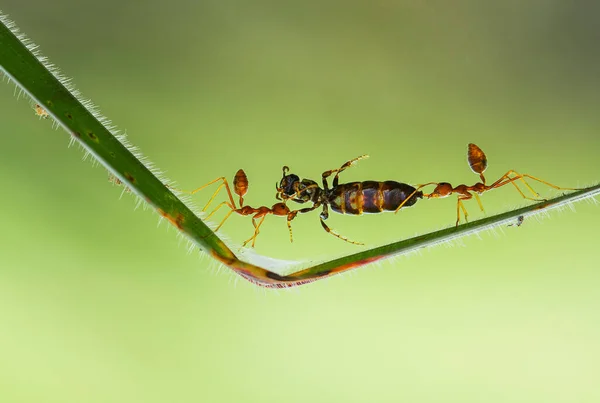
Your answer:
<point x="370" y="197"/>
<point x="394" y="193"/>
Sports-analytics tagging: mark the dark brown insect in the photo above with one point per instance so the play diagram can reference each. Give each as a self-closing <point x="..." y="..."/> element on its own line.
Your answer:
<point x="519" y="222"/>
<point x="353" y="198"/>
<point x="478" y="163"/>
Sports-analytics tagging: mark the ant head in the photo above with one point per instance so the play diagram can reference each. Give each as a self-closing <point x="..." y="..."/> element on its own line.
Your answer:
<point x="288" y="186"/>
<point x="292" y="188"/>
<point x="443" y="189"/>
<point x="280" y="209"/>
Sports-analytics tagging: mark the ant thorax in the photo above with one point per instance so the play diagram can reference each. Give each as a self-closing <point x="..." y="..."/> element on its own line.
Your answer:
<point x="310" y="191"/>
<point x="292" y="188"/>
<point x="305" y="191"/>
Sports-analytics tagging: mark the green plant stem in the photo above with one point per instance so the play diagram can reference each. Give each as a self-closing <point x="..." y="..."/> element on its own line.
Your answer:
<point x="90" y="130"/>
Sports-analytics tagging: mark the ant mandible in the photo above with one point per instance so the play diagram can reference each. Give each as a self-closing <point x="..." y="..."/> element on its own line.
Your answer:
<point x="478" y="163"/>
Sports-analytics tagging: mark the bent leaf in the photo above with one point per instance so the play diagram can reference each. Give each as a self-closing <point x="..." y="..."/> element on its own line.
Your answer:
<point x="56" y="98"/>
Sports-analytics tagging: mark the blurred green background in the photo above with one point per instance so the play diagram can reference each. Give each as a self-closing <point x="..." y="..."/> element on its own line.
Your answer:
<point x="98" y="304"/>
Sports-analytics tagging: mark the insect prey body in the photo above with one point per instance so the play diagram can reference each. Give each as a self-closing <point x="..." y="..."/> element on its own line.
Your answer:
<point x="353" y="198"/>
<point x="369" y="197"/>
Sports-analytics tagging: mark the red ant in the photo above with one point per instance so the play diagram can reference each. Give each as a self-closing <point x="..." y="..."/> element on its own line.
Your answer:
<point x="478" y="163"/>
<point x="240" y="187"/>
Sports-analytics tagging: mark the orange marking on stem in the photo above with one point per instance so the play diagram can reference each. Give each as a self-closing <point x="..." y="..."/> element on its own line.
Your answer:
<point x="350" y="266"/>
<point x="129" y="177"/>
<point x="176" y="221"/>
<point x="113" y="179"/>
<point x="41" y="112"/>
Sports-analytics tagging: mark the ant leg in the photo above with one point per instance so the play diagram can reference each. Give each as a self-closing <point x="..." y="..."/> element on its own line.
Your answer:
<point x="505" y="179"/>
<point x="224" y="183"/>
<point x="459" y="206"/>
<point x="226" y="216"/>
<point x="290" y="217"/>
<point x="224" y="219"/>
<point x="325" y="215"/>
<point x="225" y="203"/>
<point x="256" y="229"/>
<point x="479" y="201"/>
<point x="232" y="209"/>
<point x="292" y="214"/>
<point x="307" y="209"/>
<point x="522" y="176"/>
<point x="337" y="172"/>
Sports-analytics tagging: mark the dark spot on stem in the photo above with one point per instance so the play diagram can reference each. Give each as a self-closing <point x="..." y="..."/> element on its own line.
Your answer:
<point x="69" y="116"/>
<point x="129" y="177"/>
<point x="93" y="137"/>
<point x="77" y="134"/>
<point x="277" y="277"/>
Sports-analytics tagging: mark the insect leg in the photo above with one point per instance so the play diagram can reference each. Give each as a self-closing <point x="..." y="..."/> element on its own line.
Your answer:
<point x="337" y="172"/>
<point x="335" y="234"/>
<point x="225" y="203"/>
<point x="262" y="217"/>
<point x="224" y="219"/>
<point x="292" y="214"/>
<point x="459" y="206"/>
<point x="299" y="192"/>
<point x="224" y="183"/>
<point x="478" y="201"/>
<point x="506" y="178"/>
<point x="325" y="215"/>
